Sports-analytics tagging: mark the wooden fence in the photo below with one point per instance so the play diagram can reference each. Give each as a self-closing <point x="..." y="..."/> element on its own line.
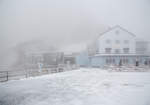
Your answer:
<point x="19" y="74"/>
<point x="3" y="76"/>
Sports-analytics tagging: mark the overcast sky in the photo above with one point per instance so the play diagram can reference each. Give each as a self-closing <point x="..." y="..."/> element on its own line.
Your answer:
<point x="69" y="21"/>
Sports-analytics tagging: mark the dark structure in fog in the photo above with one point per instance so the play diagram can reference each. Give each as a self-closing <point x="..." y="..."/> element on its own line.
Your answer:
<point x="47" y="59"/>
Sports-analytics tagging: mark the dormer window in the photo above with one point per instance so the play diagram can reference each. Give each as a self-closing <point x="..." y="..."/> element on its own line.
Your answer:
<point x="117" y="32"/>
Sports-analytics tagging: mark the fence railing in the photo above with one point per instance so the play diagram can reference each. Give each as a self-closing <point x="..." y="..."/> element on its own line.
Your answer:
<point x="3" y="76"/>
<point x="20" y="74"/>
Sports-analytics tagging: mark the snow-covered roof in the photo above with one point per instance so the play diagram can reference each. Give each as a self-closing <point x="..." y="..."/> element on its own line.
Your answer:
<point x="117" y="26"/>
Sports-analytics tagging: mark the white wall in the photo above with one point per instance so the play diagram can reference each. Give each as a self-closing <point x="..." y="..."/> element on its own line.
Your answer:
<point x="142" y="46"/>
<point x="113" y="36"/>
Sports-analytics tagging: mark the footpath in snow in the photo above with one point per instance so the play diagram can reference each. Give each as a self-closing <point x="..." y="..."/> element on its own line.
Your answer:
<point x="79" y="87"/>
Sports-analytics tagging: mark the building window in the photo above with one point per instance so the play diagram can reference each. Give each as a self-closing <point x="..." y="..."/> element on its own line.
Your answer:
<point x="113" y="61"/>
<point x="110" y="61"/>
<point x="117" y="51"/>
<point x="107" y="50"/>
<point x="126" y="50"/>
<point x="108" y="41"/>
<point x="107" y="61"/>
<point x="117" y="32"/>
<point x="117" y="42"/>
<point x="126" y="41"/>
<point x="125" y="61"/>
<point x="140" y="60"/>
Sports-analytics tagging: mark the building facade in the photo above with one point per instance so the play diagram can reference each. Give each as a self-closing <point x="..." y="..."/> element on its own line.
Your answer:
<point x="117" y="46"/>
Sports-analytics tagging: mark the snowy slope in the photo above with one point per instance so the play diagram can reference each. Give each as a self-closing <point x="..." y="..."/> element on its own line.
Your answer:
<point x="79" y="87"/>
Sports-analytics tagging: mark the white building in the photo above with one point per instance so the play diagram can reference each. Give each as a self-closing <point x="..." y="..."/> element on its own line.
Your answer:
<point x="116" y="41"/>
<point x="117" y="46"/>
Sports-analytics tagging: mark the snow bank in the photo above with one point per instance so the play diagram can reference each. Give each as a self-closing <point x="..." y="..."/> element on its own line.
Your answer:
<point x="79" y="87"/>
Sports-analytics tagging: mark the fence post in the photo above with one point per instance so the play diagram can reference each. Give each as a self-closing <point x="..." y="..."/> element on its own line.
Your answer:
<point x="7" y="75"/>
<point x="26" y="73"/>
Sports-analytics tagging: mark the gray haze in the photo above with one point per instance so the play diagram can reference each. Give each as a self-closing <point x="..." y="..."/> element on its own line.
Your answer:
<point x="63" y="22"/>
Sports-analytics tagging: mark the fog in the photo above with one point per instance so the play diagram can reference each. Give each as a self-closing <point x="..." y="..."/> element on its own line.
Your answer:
<point x="61" y="23"/>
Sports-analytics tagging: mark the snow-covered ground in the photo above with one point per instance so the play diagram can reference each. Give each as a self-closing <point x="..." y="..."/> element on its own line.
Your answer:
<point x="79" y="87"/>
